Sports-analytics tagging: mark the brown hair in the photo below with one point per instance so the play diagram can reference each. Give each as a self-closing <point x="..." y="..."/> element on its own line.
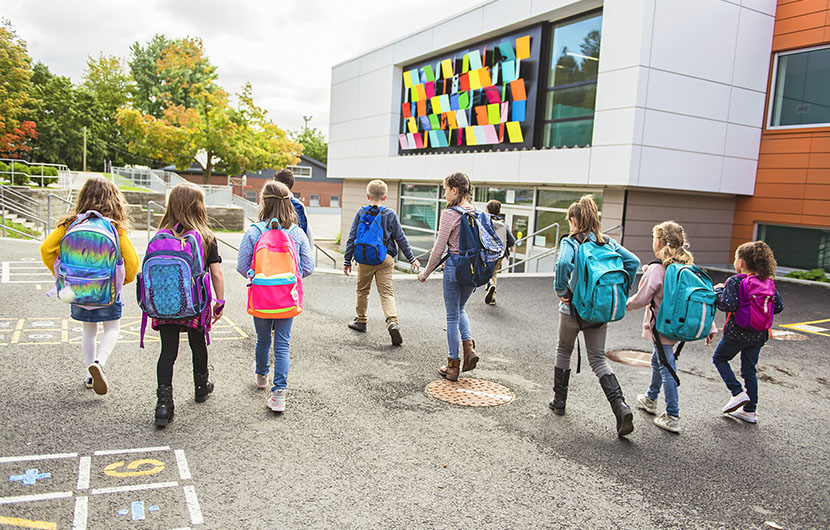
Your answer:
<point x="494" y="207"/>
<point x="286" y="176"/>
<point x="585" y="214"/>
<point x="275" y="202"/>
<point x="186" y="208"/>
<point x="758" y="258"/>
<point x="462" y="183"/>
<point x="104" y="197"/>
<point x="377" y="189"/>
<point x="675" y="247"/>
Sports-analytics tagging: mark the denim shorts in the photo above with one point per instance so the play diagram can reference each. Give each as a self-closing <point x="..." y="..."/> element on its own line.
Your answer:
<point x="103" y="314"/>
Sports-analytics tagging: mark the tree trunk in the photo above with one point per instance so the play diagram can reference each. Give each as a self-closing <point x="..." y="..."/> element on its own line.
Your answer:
<point x="208" y="169"/>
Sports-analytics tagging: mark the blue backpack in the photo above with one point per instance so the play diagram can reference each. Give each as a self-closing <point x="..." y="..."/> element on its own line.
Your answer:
<point x="302" y="221"/>
<point x="368" y="244"/>
<point x="479" y="248"/>
<point x="601" y="286"/>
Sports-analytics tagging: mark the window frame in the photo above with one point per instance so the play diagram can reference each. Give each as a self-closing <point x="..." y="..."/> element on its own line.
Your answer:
<point x="774" y="85"/>
<point x="304" y="168"/>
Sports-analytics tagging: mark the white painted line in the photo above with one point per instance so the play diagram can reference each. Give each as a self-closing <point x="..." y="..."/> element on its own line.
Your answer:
<point x="184" y="528"/>
<point x="81" y="510"/>
<point x="38" y="497"/>
<point x="83" y="473"/>
<point x="485" y="394"/>
<point x="4" y="273"/>
<point x="126" y="451"/>
<point x="181" y="460"/>
<point x="808" y="328"/>
<point x="8" y="459"/>
<point x="121" y="489"/>
<point x="193" y="505"/>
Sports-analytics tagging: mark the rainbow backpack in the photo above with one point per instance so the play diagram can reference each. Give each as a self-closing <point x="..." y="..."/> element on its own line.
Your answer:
<point x="276" y="286"/>
<point x="89" y="271"/>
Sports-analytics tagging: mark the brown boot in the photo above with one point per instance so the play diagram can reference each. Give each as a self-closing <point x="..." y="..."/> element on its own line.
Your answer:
<point x="470" y="357"/>
<point x="450" y="370"/>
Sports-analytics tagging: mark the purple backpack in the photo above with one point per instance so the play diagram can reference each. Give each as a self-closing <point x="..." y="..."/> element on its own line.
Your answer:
<point x="173" y="283"/>
<point x="756" y="302"/>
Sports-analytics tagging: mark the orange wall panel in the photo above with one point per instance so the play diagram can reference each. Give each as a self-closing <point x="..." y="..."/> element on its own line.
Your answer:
<point x="785" y="145"/>
<point x="781" y="190"/>
<point x="818" y="176"/>
<point x="783" y="160"/>
<point x="819" y="192"/>
<point x="800" y="39"/>
<point x="795" y="9"/>
<point x="801" y="23"/>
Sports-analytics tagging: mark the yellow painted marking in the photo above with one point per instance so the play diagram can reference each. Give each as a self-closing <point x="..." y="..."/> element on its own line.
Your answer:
<point x="234" y="326"/>
<point x="158" y="467"/>
<point x="64" y="330"/>
<point x="27" y="523"/>
<point x="17" y="330"/>
<point x="798" y="326"/>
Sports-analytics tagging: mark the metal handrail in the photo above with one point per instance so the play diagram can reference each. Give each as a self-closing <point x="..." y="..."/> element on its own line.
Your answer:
<point x="251" y="209"/>
<point x="63" y="170"/>
<point x="329" y="256"/>
<point x="531" y="258"/>
<point x="49" y="217"/>
<point x="18" y="208"/>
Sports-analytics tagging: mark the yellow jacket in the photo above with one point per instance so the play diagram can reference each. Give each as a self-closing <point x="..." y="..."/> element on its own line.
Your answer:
<point x="50" y="249"/>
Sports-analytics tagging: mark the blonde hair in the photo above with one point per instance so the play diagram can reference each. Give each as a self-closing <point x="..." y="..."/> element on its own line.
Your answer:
<point x="104" y="197"/>
<point x="377" y="189"/>
<point x="275" y="202"/>
<point x="186" y="208"/>
<point x="675" y="247"/>
<point x="585" y="214"/>
<point x="758" y="258"/>
<point x="461" y="182"/>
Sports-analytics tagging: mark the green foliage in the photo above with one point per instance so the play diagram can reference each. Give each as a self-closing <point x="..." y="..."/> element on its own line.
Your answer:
<point x="147" y="95"/>
<point x="813" y="275"/>
<point x="16" y="129"/>
<point x="20" y="228"/>
<point x="314" y="144"/>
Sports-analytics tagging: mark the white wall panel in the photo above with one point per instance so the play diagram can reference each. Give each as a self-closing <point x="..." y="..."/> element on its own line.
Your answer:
<point x="345" y="71"/>
<point x="667" y="168"/>
<point x="687" y="95"/>
<point x="618" y="126"/>
<point x="376" y="93"/>
<point x="742" y="141"/>
<point x="738" y="176"/>
<point x="562" y="166"/>
<point x="344" y="101"/>
<point x="614" y="165"/>
<point x="504" y="168"/>
<point x="412" y="46"/>
<point x="622" y="88"/>
<point x="675" y="131"/>
<point x="626" y="34"/>
<point x="764" y="6"/>
<point x="377" y="59"/>
<point x="503" y="13"/>
<point x="374" y="126"/>
<point x="459" y="29"/>
<point x="746" y="107"/>
<point x="752" y="53"/>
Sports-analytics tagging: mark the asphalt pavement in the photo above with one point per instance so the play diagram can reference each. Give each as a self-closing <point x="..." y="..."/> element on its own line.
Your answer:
<point x="362" y="445"/>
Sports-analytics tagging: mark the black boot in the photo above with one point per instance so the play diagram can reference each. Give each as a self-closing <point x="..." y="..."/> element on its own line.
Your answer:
<point x="622" y="411"/>
<point x="560" y="390"/>
<point x="204" y="386"/>
<point x="164" y="405"/>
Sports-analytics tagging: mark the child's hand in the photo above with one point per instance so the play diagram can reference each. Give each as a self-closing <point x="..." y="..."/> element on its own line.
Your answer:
<point x="218" y="309"/>
<point x="421" y="278"/>
<point x="416" y="265"/>
<point x="719" y="286"/>
<point x="710" y="339"/>
<point x="347" y="269"/>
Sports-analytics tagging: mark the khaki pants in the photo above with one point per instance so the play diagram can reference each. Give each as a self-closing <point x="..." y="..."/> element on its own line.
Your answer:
<point x="383" y="278"/>
<point x="493" y="280"/>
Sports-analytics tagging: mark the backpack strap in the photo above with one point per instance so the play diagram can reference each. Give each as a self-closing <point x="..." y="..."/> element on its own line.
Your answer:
<point x="661" y="355"/>
<point x="270" y="224"/>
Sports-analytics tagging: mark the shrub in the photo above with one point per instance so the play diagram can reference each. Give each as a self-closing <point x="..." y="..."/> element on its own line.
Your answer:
<point x="21" y="173"/>
<point x="813" y="275"/>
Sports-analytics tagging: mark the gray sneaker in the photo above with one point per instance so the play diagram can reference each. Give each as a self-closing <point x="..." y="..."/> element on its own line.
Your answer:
<point x="669" y="423"/>
<point x="277" y="400"/>
<point x="741" y="414"/>
<point x="646" y="403"/>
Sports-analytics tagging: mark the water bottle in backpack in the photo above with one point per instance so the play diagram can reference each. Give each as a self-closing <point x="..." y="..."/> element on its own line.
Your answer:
<point x="369" y="248"/>
<point x="276" y="287"/>
<point x="756" y="303"/>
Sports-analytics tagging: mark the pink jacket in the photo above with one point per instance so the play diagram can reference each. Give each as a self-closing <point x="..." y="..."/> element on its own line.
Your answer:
<point x="651" y="288"/>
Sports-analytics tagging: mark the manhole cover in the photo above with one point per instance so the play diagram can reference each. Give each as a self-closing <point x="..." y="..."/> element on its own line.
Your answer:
<point x="632" y="357"/>
<point x="787" y="335"/>
<point x="470" y="392"/>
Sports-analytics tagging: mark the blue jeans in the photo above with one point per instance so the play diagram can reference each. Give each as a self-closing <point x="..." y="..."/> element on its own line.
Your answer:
<point x="725" y="352"/>
<point x="281" y="328"/>
<point x="660" y="376"/>
<point x="455" y="296"/>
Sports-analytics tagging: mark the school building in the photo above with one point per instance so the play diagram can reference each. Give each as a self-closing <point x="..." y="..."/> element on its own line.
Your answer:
<point x="657" y="108"/>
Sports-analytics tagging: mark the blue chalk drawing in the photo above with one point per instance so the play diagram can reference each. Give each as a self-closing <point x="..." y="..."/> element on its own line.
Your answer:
<point x="137" y="509"/>
<point x="153" y="508"/>
<point x="30" y="477"/>
<point x="123" y="512"/>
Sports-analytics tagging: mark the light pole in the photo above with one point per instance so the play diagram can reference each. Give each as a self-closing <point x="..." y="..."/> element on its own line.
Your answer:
<point x="307" y="119"/>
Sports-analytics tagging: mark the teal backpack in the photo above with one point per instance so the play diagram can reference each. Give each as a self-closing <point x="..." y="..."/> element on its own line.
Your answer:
<point x="601" y="288"/>
<point x="688" y="307"/>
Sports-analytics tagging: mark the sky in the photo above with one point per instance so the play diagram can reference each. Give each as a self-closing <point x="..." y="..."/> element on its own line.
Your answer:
<point x="285" y="48"/>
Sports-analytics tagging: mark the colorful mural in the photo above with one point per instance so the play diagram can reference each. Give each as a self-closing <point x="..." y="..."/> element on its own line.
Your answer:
<point x="477" y="97"/>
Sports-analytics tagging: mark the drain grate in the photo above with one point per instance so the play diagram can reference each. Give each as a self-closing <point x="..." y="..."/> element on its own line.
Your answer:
<point x="470" y="392"/>
<point x="632" y="357"/>
<point x="787" y="335"/>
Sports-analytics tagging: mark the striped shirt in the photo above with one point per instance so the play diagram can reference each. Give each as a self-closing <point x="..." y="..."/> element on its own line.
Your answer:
<point x="448" y="232"/>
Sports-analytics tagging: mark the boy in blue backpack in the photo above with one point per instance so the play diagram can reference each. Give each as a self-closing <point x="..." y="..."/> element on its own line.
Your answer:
<point x="669" y="246"/>
<point x="286" y="176"/>
<point x="373" y="242"/>
<point x="583" y="218"/>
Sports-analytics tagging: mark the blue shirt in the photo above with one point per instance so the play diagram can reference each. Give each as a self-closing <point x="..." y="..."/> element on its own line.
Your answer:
<point x="563" y="280"/>
<point x="392" y="233"/>
<point x="252" y="235"/>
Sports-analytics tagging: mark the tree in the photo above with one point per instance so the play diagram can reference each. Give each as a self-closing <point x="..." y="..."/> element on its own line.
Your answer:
<point x="313" y="142"/>
<point x="16" y="130"/>
<point x="147" y="81"/>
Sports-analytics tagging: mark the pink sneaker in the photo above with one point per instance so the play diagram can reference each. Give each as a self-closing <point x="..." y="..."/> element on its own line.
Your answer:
<point x="261" y="381"/>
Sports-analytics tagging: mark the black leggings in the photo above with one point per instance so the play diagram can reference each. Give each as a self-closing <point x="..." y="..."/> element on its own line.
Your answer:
<point x="170" y="350"/>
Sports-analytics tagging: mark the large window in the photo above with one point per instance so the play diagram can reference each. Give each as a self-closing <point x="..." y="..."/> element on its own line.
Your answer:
<point x="572" y="82"/>
<point x="552" y="208"/>
<point x="798" y="247"/>
<point x="419" y="209"/>
<point x="801" y="96"/>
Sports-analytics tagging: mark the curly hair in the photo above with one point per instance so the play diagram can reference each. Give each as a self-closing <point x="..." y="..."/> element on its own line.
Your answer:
<point x="675" y="247"/>
<point x="758" y="258"/>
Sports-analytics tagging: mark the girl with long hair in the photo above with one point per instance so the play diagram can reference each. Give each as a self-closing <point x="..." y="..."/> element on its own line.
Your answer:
<point x="275" y="203"/>
<point x="102" y="196"/>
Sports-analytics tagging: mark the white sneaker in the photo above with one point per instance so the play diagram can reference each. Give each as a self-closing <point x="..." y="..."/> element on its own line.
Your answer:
<point x="99" y="382"/>
<point x="736" y="402"/>
<point x="277" y="400"/>
<point x="669" y="423"/>
<point x="646" y="403"/>
<point x="741" y="414"/>
<point x="261" y="381"/>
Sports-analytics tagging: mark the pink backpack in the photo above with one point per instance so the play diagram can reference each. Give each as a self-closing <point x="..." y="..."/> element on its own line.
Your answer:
<point x="276" y="288"/>
<point x="756" y="302"/>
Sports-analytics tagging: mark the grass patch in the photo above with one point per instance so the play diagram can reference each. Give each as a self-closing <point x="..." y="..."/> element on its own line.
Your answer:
<point x="20" y="228"/>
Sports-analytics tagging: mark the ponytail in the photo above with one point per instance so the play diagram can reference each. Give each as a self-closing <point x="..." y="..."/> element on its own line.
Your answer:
<point x="675" y="247"/>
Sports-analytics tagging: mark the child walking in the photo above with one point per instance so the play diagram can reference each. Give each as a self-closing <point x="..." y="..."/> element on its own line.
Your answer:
<point x="457" y="188"/>
<point x="185" y="212"/>
<point x="747" y="298"/>
<point x="583" y="218"/>
<point x="286" y="176"/>
<point x="100" y="196"/>
<point x="386" y="239"/>
<point x="507" y="239"/>
<point x="670" y="246"/>
<point x="274" y="204"/>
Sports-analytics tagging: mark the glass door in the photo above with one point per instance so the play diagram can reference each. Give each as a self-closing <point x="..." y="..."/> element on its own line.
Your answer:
<point x="519" y="224"/>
